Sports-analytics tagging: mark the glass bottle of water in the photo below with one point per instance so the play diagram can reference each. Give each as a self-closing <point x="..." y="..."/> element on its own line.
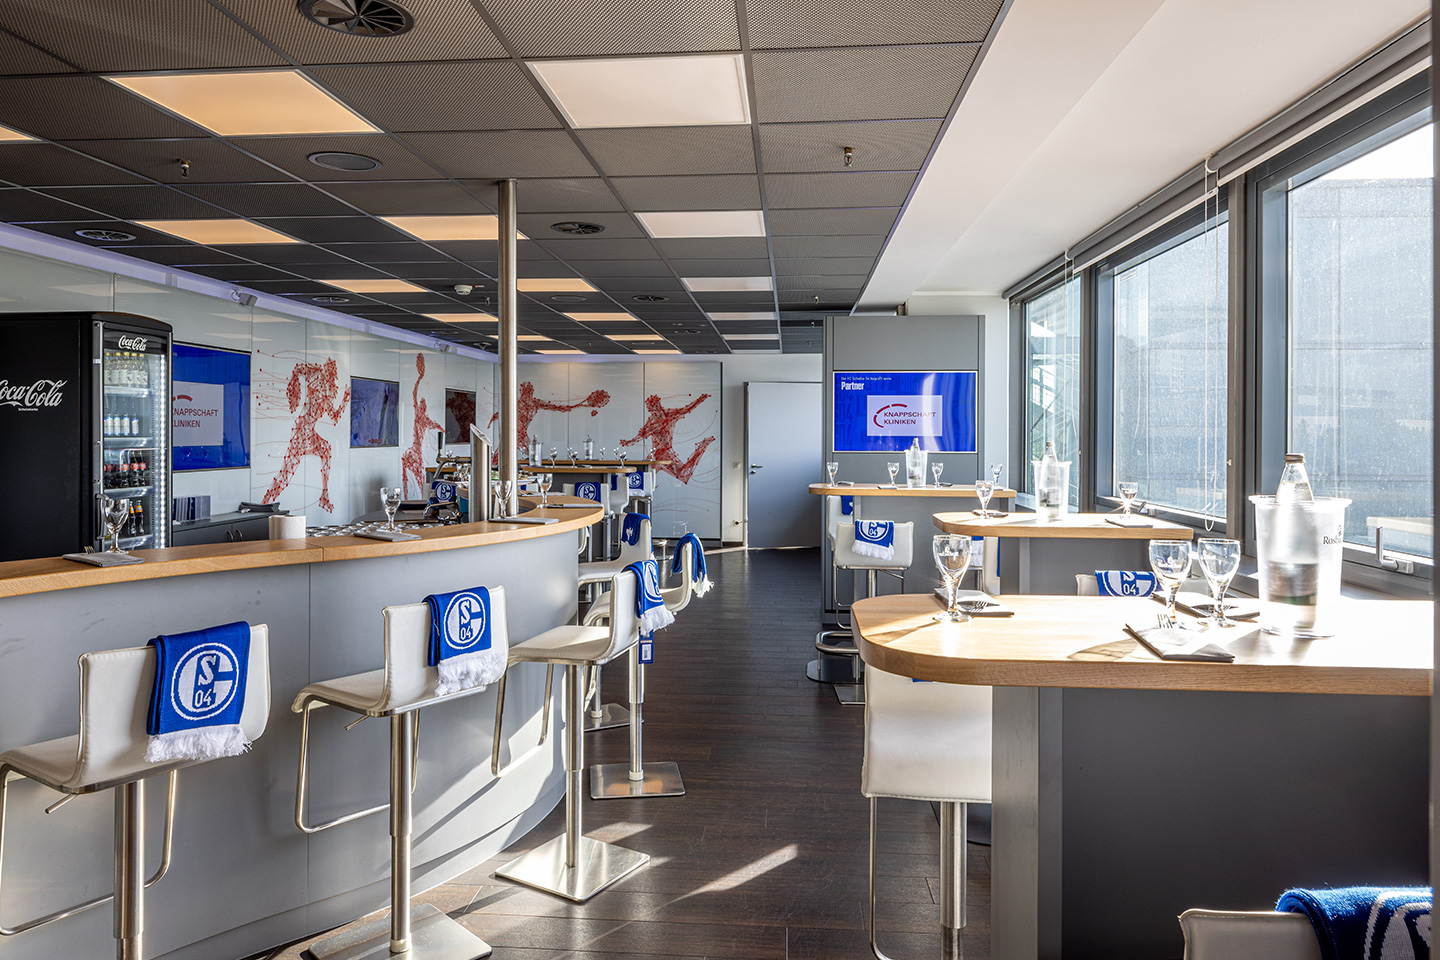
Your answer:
<point x="1294" y="568"/>
<point x="1049" y="485"/>
<point x="1294" y="481"/>
<point x="589" y="448"/>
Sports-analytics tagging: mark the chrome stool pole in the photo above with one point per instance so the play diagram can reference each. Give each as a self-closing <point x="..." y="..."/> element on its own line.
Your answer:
<point x="610" y="781"/>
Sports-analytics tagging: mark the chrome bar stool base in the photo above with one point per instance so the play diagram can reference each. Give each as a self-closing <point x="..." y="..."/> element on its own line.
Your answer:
<point x="611" y="781"/>
<point x="433" y="936"/>
<point x="612" y="715"/>
<point x="598" y="865"/>
<point x="832" y="670"/>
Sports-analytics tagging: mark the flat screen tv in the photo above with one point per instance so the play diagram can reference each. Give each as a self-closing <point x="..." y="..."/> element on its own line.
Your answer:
<point x="884" y="411"/>
<point x="374" y="413"/>
<point x="459" y="414"/>
<point x="210" y="408"/>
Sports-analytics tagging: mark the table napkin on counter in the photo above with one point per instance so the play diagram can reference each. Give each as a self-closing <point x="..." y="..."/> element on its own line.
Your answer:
<point x="1236" y="608"/>
<point x="992" y="608"/>
<point x="1169" y="643"/>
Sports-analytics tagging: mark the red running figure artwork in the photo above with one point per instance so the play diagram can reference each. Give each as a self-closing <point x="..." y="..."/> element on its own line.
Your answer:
<point x="412" y="462"/>
<point x="319" y="383"/>
<point x="659" y="429"/>
<point x="527" y="405"/>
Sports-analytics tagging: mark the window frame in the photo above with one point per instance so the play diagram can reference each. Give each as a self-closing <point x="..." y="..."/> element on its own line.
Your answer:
<point x="1020" y="475"/>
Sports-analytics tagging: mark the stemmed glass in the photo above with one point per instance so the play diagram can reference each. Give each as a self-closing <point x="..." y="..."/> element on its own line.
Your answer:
<point x="1219" y="560"/>
<point x="390" y="500"/>
<point x="995" y="471"/>
<point x="952" y="559"/>
<point x="894" y="468"/>
<point x="546" y="480"/>
<point x="554" y="453"/>
<point x="1170" y="559"/>
<point x="983" y="491"/>
<point x="573" y="457"/>
<point x="1128" y="492"/>
<point x="831" y="468"/>
<point x="116" y="513"/>
<point x="936" y="469"/>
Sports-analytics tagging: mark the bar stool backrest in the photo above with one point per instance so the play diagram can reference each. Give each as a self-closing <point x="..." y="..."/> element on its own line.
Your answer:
<point x="624" y="625"/>
<point x="619" y="498"/>
<point x="115" y="688"/>
<point x="643" y="548"/>
<point x="925" y="741"/>
<point x="678" y="598"/>
<point x="832" y="518"/>
<point x="847" y="559"/>
<point x="407" y="647"/>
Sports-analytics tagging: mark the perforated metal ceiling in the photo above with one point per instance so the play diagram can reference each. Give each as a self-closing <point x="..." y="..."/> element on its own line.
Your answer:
<point x="457" y="108"/>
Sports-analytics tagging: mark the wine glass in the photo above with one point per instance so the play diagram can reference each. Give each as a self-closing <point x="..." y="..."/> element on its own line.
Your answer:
<point x="390" y="499"/>
<point x="1128" y="492"/>
<point x="603" y="456"/>
<point x="831" y="468"/>
<point x="983" y="491"/>
<point x="936" y="469"/>
<point x="116" y="513"/>
<point x="1219" y="560"/>
<point x="995" y="471"/>
<point x="573" y="456"/>
<point x="894" y="468"/>
<point x="554" y="453"/>
<point x="546" y="480"/>
<point x="952" y="559"/>
<point x="1170" y="559"/>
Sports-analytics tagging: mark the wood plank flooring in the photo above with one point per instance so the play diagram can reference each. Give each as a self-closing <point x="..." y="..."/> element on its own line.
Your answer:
<point x="765" y="856"/>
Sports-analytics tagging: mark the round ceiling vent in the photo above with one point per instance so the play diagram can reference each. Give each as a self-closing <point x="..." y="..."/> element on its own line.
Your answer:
<point x="359" y="18"/>
<point x="577" y="228"/>
<point x="108" y="236"/>
<point x="350" y="162"/>
<point x="567" y="298"/>
<point x="649" y="298"/>
<point x="329" y="299"/>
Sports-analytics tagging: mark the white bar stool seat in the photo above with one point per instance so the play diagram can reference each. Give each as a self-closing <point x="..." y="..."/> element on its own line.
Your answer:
<point x="928" y="741"/>
<point x="109" y="752"/>
<point x="601" y="571"/>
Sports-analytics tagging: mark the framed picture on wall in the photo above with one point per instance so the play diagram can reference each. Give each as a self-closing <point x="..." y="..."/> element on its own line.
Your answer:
<point x="374" y="413"/>
<point x="459" y="414"/>
<point x="210" y="408"/>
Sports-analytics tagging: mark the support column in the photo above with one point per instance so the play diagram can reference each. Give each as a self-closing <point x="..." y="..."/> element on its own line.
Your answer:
<point x="130" y="870"/>
<point x="509" y="372"/>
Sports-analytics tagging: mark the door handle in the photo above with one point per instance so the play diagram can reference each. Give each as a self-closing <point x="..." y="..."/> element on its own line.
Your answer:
<point x="754" y="467"/>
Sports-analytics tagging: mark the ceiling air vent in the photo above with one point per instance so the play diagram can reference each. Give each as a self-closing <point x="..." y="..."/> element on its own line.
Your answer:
<point x="649" y="298"/>
<point x="329" y="299"/>
<point x="107" y="236"/>
<point x="352" y="162"/>
<point x="359" y="18"/>
<point x="577" y="228"/>
<point x="567" y="299"/>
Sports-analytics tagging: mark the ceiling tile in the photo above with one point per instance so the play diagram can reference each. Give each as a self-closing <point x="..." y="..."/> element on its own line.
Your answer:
<point x="666" y="151"/>
<point x="833" y="284"/>
<point x="827" y="266"/>
<point x="710" y="248"/>
<point x="791" y="190"/>
<point x="292" y="154"/>
<point x="139" y="203"/>
<point x="566" y="28"/>
<point x="178" y="253"/>
<point x="270" y="199"/>
<point x="690" y="193"/>
<point x="291" y="287"/>
<point x="860" y="222"/>
<point x="839" y="23"/>
<point x="859" y="83"/>
<point x="211" y="161"/>
<point x="474" y="95"/>
<point x="570" y="195"/>
<point x="239" y="272"/>
<point x="537" y="226"/>
<point x="412" y="198"/>
<point x="423" y="273"/>
<point x="600" y="248"/>
<point x="640" y="286"/>
<point x="338" y="271"/>
<point x="486" y="253"/>
<point x="18" y="58"/>
<point x="336" y="229"/>
<point x="281" y="253"/>
<point x="786" y="247"/>
<point x="500" y="154"/>
<point x="81" y="108"/>
<point x="444" y="30"/>
<point x="403" y="252"/>
<point x="143" y="237"/>
<point x="820" y="147"/>
<point x="45" y="165"/>
<point x="721" y="268"/>
<point x="18" y="205"/>
<point x="624" y="268"/>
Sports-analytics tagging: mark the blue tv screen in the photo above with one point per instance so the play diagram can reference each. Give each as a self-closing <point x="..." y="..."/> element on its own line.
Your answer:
<point x="374" y="413"/>
<point x="210" y="408"/>
<point x="880" y="411"/>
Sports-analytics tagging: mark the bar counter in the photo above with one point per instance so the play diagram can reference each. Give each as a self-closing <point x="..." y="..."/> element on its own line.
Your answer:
<point x="244" y="879"/>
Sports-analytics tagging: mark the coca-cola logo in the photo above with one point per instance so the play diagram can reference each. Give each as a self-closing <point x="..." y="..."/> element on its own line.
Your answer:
<point x="41" y="393"/>
<point x="133" y="343"/>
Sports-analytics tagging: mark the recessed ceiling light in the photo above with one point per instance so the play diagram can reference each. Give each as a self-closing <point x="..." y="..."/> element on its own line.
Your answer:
<point x="530" y="337"/>
<point x="376" y="286"/>
<point x="655" y="351"/>
<point x="752" y="315"/>
<point x="704" y="223"/>
<point x="249" y="103"/>
<point x="559" y="351"/>
<point x="349" y="162"/>
<point x="647" y="91"/>
<point x="359" y="18"/>
<point x="727" y="284"/>
<point x="599" y="317"/>
<point x="465" y="227"/>
<point x="634" y="336"/>
<point x="212" y="232"/>
<point x="461" y="317"/>
<point x="751" y="336"/>
<point x="556" y="285"/>
<point x="13" y="136"/>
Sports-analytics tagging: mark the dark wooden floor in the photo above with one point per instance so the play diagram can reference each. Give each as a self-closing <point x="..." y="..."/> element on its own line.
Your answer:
<point x="765" y="856"/>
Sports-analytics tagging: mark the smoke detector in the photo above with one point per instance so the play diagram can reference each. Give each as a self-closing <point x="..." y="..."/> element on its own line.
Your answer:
<point x="359" y="18"/>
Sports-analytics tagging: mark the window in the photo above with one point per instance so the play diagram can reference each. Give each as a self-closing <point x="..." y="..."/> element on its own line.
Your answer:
<point x="1052" y="372"/>
<point x="1170" y="327"/>
<point x="1360" y="375"/>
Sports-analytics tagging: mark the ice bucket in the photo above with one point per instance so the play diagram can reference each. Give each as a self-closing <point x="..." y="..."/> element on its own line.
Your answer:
<point x="1052" y="488"/>
<point x="1300" y="547"/>
<point x="915" y="460"/>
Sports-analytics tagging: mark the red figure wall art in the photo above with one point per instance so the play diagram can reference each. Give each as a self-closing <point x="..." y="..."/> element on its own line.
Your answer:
<point x="528" y="405"/>
<point x="318" y="384"/>
<point x="412" y="462"/>
<point x="659" y="429"/>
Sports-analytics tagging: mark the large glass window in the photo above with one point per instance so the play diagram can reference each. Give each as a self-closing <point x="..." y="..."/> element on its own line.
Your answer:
<point x="1170" y="324"/>
<point x="1052" y="368"/>
<point x="1360" y="337"/>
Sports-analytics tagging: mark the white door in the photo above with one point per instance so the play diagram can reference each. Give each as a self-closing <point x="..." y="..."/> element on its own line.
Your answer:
<point x="782" y="450"/>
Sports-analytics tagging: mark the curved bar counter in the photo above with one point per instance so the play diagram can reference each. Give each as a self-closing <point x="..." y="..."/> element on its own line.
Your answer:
<point x="244" y="878"/>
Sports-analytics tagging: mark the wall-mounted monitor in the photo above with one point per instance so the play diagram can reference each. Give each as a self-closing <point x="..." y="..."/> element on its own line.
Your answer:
<point x="459" y="414"/>
<point x="881" y="411"/>
<point x="210" y="408"/>
<point x="374" y="413"/>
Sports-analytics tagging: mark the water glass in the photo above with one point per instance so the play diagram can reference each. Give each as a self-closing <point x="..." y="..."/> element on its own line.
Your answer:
<point x="116" y="513"/>
<point x="952" y="559"/>
<point x="1128" y="492"/>
<point x="831" y="469"/>
<point x="546" y="480"/>
<point x="1170" y="559"/>
<point x="390" y="499"/>
<point x="983" y="491"/>
<point x="894" y="468"/>
<point x="995" y="470"/>
<point x="1219" y="560"/>
<point x="936" y="469"/>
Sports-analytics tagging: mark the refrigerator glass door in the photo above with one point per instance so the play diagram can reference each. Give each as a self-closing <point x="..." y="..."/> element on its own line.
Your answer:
<point x="135" y="424"/>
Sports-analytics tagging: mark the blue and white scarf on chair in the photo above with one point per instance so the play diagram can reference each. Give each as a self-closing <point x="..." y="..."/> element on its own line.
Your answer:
<point x="1125" y="583"/>
<point x="1366" y="923"/>
<point x="588" y="490"/>
<point x="199" y="694"/>
<point x="700" y="583"/>
<point x="460" y="641"/>
<point x="636" y="483"/>
<point x="650" y="609"/>
<point x="630" y="530"/>
<point x="875" y="538"/>
<point x="847" y="506"/>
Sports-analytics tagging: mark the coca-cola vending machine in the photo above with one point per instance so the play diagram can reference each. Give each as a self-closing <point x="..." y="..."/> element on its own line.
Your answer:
<point x="84" y="416"/>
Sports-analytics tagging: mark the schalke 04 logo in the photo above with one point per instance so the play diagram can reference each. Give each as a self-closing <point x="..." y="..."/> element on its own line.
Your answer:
<point x="651" y="579"/>
<point x="464" y="620"/>
<point x="206" y="681"/>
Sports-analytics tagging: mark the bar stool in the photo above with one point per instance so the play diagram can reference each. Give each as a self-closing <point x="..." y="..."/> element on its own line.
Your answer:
<point x="848" y="685"/>
<point x="834" y="513"/>
<point x="661" y="778"/>
<point x="398" y="691"/>
<point x="928" y="741"/>
<point x="573" y="865"/>
<point x="610" y="715"/>
<point x="109" y="751"/>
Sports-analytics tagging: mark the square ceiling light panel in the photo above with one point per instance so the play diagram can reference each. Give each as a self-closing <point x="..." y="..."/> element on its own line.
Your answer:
<point x="464" y="227"/>
<point x="743" y="315"/>
<point x="532" y="338"/>
<point x="728" y="284"/>
<point x="648" y="91"/>
<point x="218" y="232"/>
<point x="634" y="336"/>
<point x="249" y="103"/>
<point x="376" y="286"/>
<point x="13" y="136"/>
<point x="704" y="223"/>
<point x="751" y="336"/>
<point x="559" y="351"/>
<point x="601" y="317"/>
<point x="556" y="285"/>
<point x="654" y="352"/>
<point x="461" y="317"/>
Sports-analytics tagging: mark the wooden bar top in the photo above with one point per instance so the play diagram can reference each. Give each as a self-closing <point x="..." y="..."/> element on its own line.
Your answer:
<point x="1069" y="526"/>
<point x="18" y="577"/>
<point x="1382" y="647"/>
<point x="886" y="490"/>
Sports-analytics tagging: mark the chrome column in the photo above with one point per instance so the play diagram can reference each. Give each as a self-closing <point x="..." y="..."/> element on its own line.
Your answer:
<point x="129" y="870"/>
<point x="952" y="879"/>
<point x="509" y="371"/>
<point x="402" y="762"/>
<point x="637" y="701"/>
<point x="574" y="759"/>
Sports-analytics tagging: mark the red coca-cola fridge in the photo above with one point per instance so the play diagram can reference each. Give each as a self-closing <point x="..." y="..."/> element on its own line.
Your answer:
<point x="84" y="417"/>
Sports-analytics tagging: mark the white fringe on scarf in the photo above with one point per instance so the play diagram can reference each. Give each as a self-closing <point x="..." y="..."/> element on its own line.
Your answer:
<point x="479" y="669"/>
<point x="874" y="550"/>
<point x="201" y="743"/>
<point x="656" y="618"/>
<point x="702" y="587"/>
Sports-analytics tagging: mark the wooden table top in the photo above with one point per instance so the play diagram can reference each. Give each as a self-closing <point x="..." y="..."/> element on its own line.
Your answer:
<point x="1382" y="647"/>
<point x="1069" y="526"/>
<point x="41" y="575"/>
<point x="885" y="490"/>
